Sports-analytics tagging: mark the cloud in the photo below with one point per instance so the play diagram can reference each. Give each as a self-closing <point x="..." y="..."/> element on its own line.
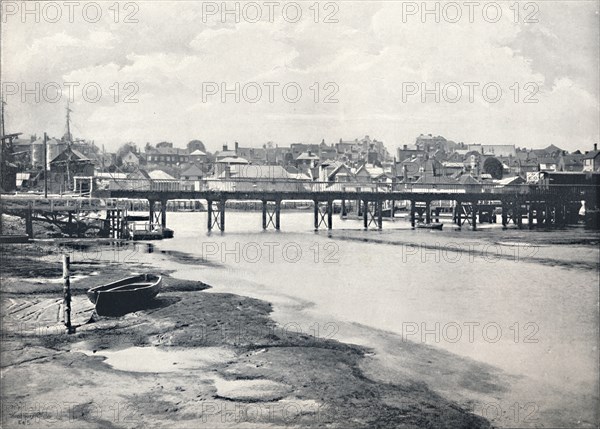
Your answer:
<point x="364" y="61"/>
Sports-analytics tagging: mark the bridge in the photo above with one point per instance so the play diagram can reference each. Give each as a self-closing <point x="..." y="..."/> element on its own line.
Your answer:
<point x="547" y="204"/>
<point x="544" y="204"/>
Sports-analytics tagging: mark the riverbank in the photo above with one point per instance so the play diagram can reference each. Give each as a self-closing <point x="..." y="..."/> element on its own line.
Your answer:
<point x="195" y="359"/>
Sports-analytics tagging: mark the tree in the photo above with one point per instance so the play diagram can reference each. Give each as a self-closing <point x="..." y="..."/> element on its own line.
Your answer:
<point x="493" y="167"/>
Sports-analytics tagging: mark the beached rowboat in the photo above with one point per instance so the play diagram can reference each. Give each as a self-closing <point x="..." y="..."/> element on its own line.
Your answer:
<point x="438" y="226"/>
<point x="126" y="295"/>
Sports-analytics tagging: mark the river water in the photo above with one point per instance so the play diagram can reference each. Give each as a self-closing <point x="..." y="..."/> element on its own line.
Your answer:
<point x="523" y="303"/>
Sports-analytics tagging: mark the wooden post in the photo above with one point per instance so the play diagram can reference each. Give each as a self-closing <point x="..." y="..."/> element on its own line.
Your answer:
<point x="222" y="207"/>
<point x="459" y="215"/>
<point x="474" y="209"/>
<point x="393" y="210"/>
<point x="45" y="166"/>
<point x="163" y="214"/>
<point x="29" y="222"/>
<point x="316" y="212"/>
<point x="366" y="214"/>
<point x="412" y="213"/>
<point x="67" y="294"/>
<point x="427" y="211"/>
<point x="264" y="214"/>
<point x="277" y="214"/>
<point x="530" y="216"/>
<point x="209" y="209"/>
<point x="343" y="209"/>
<point x="548" y="215"/>
<point x="151" y="211"/>
<point x="329" y="214"/>
<point x="379" y="205"/>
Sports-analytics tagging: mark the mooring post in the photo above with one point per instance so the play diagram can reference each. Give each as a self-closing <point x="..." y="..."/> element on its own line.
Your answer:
<point x="277" y="214"/>
<point x="264" y="214"/>
<point x="413" y="209"/>
<point x="209" y="211"/>
<point x="366" y="214"/>
<point x="29" y="221"/>
<point x="329" y="214"/>
<point x="67" y="294"/>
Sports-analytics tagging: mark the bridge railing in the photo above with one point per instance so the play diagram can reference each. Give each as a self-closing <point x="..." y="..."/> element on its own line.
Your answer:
<point x="309" y="186"/>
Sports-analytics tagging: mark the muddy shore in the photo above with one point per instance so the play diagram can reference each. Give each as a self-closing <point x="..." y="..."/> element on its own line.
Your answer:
<point x="227" y="363"/>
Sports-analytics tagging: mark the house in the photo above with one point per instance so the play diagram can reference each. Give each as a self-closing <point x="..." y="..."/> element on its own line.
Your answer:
<point x="306" y="160"/>
<point x="547" y="164"/>
<point x="498" y="150"/>
<point x="130" y="160"/>
<point x="571" y="162"/>
<point x="225" y="164"/>
<point x="68" y="164"/>
<point x="192" y="173"/>
<point x="166" y="155"/>
<point x="407" y="152"/>
<point x="591" y="160"/>
<point x="197" y="156"/>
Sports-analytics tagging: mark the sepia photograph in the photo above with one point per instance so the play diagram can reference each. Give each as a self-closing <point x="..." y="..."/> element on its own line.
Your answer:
<point x="299" y="214"/>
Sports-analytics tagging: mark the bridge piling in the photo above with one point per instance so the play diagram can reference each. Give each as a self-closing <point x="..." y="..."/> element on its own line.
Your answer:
<point x="365" y="213"/>
<point x="277" y="214"/>
<point x="209" y="210"/>
<point x="428" y="211"/>
<point x="264" y="214"/>
<point x="163" y="213"/>
<point x="222" y="215"/>
<point x="329" y="214"/>
<point x="474" y="210"/>
<point x="379" y="208"/>
<point x="412" y="213"/>
<point x="459" y="210"/>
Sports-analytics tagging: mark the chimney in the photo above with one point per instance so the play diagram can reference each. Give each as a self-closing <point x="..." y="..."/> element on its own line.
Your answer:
<point x="236" y="147"/>
<point x="224" y="147"/>
<point x="595" y="146"/>
<point x="405" y="147"/>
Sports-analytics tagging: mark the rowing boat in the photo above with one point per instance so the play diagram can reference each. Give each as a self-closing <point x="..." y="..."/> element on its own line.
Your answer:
<point x="438" y="226"/>
<point x="126" y="295"/>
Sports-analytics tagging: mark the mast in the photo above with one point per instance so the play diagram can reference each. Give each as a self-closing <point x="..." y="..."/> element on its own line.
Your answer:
<point x="2" y="129"/>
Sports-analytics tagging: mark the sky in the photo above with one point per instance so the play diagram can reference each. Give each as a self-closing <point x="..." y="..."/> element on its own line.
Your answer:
<point x="522" y="73"/>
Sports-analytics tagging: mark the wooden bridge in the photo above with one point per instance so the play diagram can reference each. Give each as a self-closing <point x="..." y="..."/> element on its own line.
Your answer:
<point x="544" y="205"/>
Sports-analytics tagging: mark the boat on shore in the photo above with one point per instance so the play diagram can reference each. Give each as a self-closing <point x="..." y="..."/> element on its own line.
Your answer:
<point x="435" y="226"/>
<point x="126" y="295"/>
<point x="14" y="238"/>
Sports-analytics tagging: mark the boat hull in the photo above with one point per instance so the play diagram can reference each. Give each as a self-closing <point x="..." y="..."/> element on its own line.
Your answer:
<point x="127" y="295"/>
<point x="435" y="226"/>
